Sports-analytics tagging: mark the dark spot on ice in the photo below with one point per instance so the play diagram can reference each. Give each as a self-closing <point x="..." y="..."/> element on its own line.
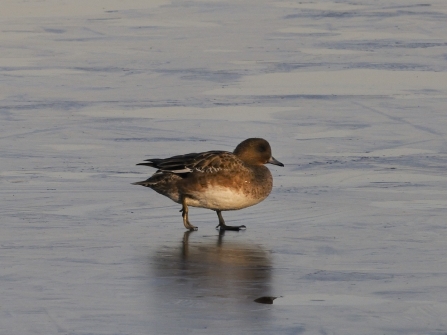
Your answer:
<point x="265" y="300"/>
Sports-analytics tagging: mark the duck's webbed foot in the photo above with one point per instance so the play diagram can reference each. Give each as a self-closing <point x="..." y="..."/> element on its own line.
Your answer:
<point x="184" y="211"/>
<point x="223" y="226"/>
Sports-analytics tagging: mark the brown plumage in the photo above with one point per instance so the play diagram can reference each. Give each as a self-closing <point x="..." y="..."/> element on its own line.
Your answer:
<point x="217" y="180"/>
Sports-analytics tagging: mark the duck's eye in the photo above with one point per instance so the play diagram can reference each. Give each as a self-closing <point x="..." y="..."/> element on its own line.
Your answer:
<point x="261" y="148"/>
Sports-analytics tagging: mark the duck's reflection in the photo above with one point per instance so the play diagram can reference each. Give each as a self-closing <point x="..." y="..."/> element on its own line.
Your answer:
<point x="210" y="277"/>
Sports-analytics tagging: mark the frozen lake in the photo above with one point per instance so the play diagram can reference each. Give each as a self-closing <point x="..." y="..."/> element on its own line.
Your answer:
<point x="352" y="97"/>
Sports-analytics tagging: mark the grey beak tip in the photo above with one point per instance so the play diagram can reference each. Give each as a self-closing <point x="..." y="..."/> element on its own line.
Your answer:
<point x="275" y="162"/>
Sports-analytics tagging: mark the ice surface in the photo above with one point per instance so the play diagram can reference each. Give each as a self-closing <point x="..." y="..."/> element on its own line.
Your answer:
<point x="352" y="97"/>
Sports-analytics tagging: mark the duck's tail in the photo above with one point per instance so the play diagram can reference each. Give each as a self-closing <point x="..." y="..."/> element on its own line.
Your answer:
<point x="149" y="163"/>
<point x="146" y="183"/>
<point x="158" y="179"/>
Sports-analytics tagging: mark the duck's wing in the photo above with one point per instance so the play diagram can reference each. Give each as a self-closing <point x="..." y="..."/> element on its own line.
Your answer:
<point x="205" y="162"/>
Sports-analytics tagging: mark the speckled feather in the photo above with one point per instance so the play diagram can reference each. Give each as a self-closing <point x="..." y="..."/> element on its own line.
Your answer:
<point x="205" y="162"/>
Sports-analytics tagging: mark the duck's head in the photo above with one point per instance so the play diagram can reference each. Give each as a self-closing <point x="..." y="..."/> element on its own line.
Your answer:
<point x="256" y="151"/>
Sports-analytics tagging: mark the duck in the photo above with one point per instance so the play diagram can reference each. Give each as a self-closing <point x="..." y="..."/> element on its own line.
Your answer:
<point x="216" y="180"/>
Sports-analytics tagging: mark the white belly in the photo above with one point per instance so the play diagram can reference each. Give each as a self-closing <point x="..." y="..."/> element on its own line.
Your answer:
<point x="222" y="198"/>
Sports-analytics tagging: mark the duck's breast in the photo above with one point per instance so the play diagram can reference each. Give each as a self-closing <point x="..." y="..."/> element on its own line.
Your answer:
<point x="231" y="191"/>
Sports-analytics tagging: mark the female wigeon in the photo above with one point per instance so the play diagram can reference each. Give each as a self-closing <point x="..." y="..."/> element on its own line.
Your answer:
<point x="218" y="180"/>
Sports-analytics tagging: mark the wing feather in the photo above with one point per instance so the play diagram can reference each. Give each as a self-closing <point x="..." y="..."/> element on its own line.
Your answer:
<point x="205" y="162"/>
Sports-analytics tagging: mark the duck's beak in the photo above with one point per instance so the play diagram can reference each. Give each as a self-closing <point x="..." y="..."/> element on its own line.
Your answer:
<point x="274" y="162"/>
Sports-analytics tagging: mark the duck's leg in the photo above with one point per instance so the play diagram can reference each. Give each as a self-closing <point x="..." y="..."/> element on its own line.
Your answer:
<point x="184" y="211"/>
<point x="223" y="226"/>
